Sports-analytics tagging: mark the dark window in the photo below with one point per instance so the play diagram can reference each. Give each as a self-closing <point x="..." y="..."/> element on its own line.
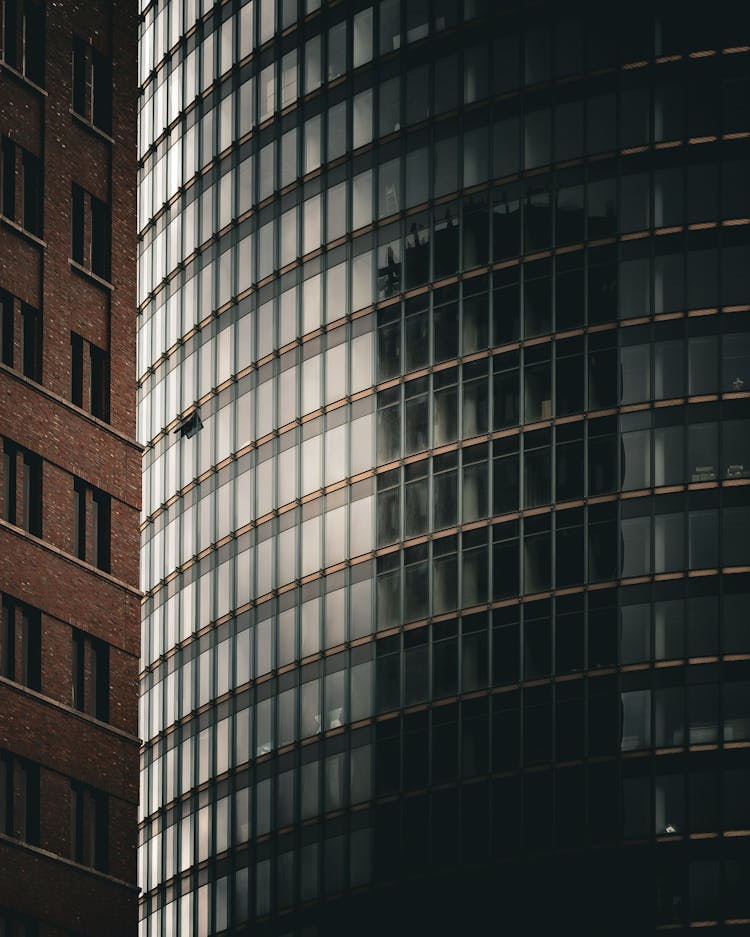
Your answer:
<point x="101" y="90"/>
<point x="89" y="377"/>
<point x="90" y="678"/>
<point x="8" y="192"/>
<point x="90" y="233"/>
<point x="88" y="826"/>
<point x="10" y="32"/>
<point x="79" y="75"/>
<point x="100" y="238"/>
<point x="23" y="38"/>
<point x="92" y="84"/>
<point x="32" y="342"/>
<point x="18" y="163"/>
<point x="76" y="369"/>
<point x="91" y="524"/>
<point x="99" y="382"/>
<point x="13" y="925"/>
<point x="28" y="334"/>
<point x="20" y="643"/>
<point x="78" y="217"/>
<point x="10" y="482"/>
<point x="33" y="42"/>
<point x="32" y="193"/>
<point x="6" y="329"/>
<point x="506" y="476"/>
<point x="190" y="425"/>
<point x="22" y="488"/>
<point x="19" y="798"/>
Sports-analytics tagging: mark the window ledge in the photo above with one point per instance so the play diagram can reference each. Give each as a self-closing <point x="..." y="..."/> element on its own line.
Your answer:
<point x="90" y="126"/>
<point x="41" y="388"/>
<point x="70" y="710"/>
<point x="16" y="531"/>
<point x="90" y="275"/>
<point x="19" y="76"/>
<point x="23" y="232"/>
<point x="56" y="857"/>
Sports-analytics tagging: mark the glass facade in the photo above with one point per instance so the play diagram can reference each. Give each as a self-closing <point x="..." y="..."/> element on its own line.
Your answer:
<point x="444" y="357"/>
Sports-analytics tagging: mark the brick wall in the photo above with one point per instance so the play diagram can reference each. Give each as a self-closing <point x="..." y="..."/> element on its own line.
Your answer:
<point x="43" y="727"/>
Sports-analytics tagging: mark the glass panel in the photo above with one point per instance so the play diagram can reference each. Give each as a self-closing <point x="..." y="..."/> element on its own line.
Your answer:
<point x="636" y="720"/>
<point x="636" y="460"/>
<point x="702" y="452"/>
<point x="735" y="360"/>
<point x="669" y="378"/>
<point x="362" y="37"/>
<point x="362" y="118"/>
<point x="636" y="546"/>
<point x="669" y="550"/>
<point x="735" y="449"/>
<point x="635" y="633"/>
<point x="703" y="365"/>
<point x="703" y="531"/>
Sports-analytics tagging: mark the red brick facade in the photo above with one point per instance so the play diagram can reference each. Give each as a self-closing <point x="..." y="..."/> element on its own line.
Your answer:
<point x="49" y="884"/>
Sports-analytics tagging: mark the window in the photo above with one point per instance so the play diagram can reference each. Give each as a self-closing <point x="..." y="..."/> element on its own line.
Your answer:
<point x="31" y="168"/>
<point x="90" y="232"/>
<point x="92" y="84"/>
<point x="23" y="38"/>
<point x="22" y="488"/>
<point x="20" y="643"/>
<point x="89" y="377"/>
<point x="90" y="675"/>
<point x="19" y="798"/>
<point x="88" y="826"/>
<point x="21" y="192"/>
<point x="11" y="925"/>
<point x="20" y="336"/>
<point x="8" y="190"/>
<point x="362" y="37"/>
<point x="91" y="524"/>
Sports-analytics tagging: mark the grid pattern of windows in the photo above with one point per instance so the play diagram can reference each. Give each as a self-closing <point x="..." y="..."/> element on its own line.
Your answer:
<point x="444" y="364"/>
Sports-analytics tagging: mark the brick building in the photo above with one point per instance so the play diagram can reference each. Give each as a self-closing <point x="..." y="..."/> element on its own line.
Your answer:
<point x="70" y="470"/>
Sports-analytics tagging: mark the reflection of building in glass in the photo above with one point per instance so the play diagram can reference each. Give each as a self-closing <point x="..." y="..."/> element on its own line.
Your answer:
<point x="444" y="338"/>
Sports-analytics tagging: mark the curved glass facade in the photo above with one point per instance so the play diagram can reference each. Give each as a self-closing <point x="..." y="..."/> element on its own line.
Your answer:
<point x="444" y="357"/>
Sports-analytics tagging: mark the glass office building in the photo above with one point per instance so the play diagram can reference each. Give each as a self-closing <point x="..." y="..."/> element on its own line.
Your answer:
<point x="444" y="368"/>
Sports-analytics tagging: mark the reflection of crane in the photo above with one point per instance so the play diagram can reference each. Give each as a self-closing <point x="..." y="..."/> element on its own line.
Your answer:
<point x="417" y="236"/>
<point x="389" y="276"/>
<point x="391" y="199"/>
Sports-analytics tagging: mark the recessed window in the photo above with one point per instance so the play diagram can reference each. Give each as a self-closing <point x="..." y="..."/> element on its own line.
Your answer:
<point x="91" y="524"/>
<point x="90" y="677"/>
<point x="21" y="190"/>
<point x="90" y="234"/>
<point x="17" y="925"/>
<point x="20" y="643"/>
<point x="89" y="377"/>
<point x="88" y="826"/>
<point x="22" y="488"/>
<point x="20" y="336"/>
<point x="19" y="798"/>
<point x="23" y="38"/>
<point x="92" y="84"/>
